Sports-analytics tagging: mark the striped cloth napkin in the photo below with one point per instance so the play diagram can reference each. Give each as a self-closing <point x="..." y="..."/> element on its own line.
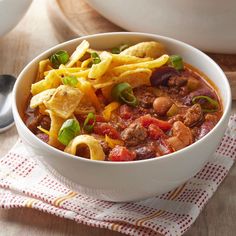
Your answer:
<point x="25" y="182"/>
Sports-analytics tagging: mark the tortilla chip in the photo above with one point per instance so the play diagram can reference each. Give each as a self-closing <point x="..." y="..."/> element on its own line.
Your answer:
<point x="85" y="106"/>
<point x="89" y="91"/>
<point x="52" y="80"/>
<point x="83" y="73"/>
<point x="118" y="59"/>
<point x="91" y="50"/>
<point x="97" y="70"/>
<point x="56" y="123"/>
<point x="42" y="109"/>
<point x="78" y="53"/>
<point x="64" y="101"/>
<point x="135" y="78"/>
<point x="39" y="98"/>
<point x="149" y="65"/>
<point x="103" y="84"/>
<point x="145" y="49"/>
<point x="44" y="65"/>
<point x="85" y="63"/>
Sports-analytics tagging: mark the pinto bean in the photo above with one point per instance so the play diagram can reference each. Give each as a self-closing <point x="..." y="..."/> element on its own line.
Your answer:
<point x="161" y="105"/>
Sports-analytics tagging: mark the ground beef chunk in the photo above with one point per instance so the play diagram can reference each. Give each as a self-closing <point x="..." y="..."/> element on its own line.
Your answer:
<point x="193" y="115"/>
<point x="144" y="96"/>
<point x="134" y="134"/>
<point x="38" y="120"/>
<point x="177" y="117"/>
<point x="195" y="132"/>
<point x="170" y="90"/>
<point x="105" y="147"/>
<point x="183" y="91"/>
<point x="175" y="143"/>
<point x="176" y="92"/>
<point x="145" y="152"/>
<point x="182" y="132"/>
<point x="177" y="81"/>
<point x="32" y="122"/>
<point x="125" y="112"/>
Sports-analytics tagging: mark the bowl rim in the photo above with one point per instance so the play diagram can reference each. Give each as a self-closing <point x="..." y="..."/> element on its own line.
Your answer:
<point x="226" y="110"/>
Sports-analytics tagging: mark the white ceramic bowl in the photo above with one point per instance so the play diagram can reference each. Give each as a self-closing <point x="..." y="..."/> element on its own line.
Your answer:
<point x="126" y="181"/>
<point x="208" y="25"/>
<point x="11" y="12"/>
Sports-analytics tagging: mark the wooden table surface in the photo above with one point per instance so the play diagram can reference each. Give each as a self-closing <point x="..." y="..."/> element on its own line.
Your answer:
<point x="33" y="35"/>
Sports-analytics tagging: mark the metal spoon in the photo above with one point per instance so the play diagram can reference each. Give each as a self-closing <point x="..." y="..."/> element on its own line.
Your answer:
<point x="6" y="117"/>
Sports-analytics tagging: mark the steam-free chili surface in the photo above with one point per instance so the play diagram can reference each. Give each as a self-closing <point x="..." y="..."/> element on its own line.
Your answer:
<point x="176" y="110"/>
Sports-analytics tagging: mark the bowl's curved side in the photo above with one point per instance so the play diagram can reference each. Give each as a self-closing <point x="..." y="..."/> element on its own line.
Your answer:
<point x="133" y="180"/>
<point x="194" y="22"/>
<point x="11" y="12"/>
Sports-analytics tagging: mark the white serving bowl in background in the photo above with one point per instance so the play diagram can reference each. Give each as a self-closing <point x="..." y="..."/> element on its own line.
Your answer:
<point x="208" y="25"/>
<point x="126" y="181"/>
<point x="11" y="12"/>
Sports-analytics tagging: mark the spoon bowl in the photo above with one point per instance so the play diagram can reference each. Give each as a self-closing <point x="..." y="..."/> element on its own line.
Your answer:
<point x="6" y="118"/>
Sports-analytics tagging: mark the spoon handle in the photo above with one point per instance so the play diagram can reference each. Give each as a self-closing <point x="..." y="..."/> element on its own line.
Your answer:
<point x="232" y="80"/>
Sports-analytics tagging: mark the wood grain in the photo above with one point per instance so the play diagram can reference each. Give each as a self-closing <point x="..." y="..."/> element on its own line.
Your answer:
<point x="76" y="18"/>
<point x="34" y="34"/>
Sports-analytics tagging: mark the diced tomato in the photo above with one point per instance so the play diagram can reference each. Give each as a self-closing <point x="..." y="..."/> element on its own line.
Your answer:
<point x="100" y="118"/>
<point x="164" y="147"/>
<point x="125" y="112"/>
<point x="106" y="129"/>
<point x="154" y="132"/>
<point x="119" y="153"/>
<point x="148" y="120"/>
